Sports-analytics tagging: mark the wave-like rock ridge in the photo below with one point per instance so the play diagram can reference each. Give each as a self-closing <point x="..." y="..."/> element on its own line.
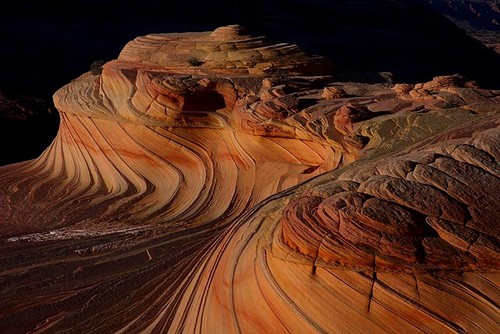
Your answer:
<point x="217" y="182"/>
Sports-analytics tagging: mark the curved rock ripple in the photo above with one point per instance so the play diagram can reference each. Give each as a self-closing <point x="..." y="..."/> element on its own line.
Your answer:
<point x="218" y="183"/>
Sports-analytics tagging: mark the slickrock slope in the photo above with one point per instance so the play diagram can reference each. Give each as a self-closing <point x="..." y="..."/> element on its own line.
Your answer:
<point x="217" y="183"/>
<point x="164" y="141"/>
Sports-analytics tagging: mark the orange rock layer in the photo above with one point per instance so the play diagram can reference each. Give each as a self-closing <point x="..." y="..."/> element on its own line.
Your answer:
<point x="213" y="182"/>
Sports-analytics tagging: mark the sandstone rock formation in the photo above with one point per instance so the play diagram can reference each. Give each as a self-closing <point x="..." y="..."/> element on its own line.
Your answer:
<point x="215" y="182"/>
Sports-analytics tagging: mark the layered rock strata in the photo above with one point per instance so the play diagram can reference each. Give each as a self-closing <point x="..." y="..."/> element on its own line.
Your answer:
<point x="214" y="182"/>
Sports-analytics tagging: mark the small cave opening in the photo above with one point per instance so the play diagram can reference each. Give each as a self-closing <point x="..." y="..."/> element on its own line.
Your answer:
<point x="203" y="101"/>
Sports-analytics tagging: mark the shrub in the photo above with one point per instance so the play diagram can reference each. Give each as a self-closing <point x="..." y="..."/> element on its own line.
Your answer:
<point x="281" y="76"/>
<point x="194" y="61"/>
<point x="96" y="67"/>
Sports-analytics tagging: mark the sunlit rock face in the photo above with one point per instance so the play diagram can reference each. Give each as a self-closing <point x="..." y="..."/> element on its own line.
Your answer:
<point x="151" y="140"/>
<point x="214" y="182"/>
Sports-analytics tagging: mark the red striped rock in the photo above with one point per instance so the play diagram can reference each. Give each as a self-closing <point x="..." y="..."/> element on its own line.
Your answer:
<point x="223" y="195"/>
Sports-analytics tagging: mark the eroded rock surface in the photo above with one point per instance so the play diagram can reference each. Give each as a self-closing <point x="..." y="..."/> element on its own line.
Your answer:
<point x="215" y="182"/>
<point x="429" y="209"/>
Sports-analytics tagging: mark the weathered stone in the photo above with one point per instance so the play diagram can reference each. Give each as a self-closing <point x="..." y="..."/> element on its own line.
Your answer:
<point x="440" y="82"/>
<point x="222" y="195"/>
<point x="333" y="93"/>
<point x="347" y="115"/>
<point x="402" y="89"/>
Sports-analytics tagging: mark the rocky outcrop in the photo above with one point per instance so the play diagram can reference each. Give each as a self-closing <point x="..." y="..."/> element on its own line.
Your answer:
<point x="247" y="191"/>
<point x="227" y="49"/>
<point x="429" y="209"/>
<point x="168" y="138"/>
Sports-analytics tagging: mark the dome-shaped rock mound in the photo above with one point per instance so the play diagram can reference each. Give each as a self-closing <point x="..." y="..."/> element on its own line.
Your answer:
<point x="229" y="49"/>
<point x="214" y="182"/>
<point x="232" y="32"/>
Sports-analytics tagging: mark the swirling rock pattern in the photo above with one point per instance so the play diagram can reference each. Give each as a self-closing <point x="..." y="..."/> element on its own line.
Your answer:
<point x="227" y="49"/>
<point x="247" y="192"/>
<point x="427" y="210"/>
